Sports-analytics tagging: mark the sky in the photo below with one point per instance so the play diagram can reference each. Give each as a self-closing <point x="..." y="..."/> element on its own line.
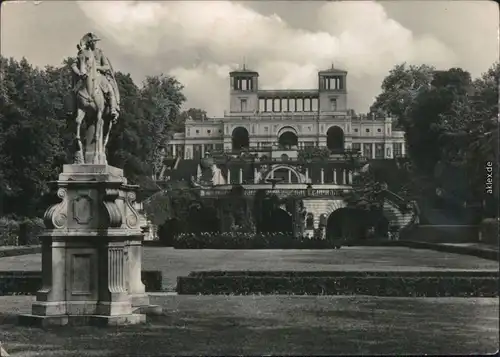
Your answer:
<point x="287" y="42"/>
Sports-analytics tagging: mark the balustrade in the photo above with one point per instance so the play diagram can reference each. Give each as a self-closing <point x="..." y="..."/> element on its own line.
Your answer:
<point x="280" y="192"/>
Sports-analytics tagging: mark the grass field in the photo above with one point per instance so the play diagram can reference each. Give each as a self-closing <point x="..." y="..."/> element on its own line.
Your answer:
<point x="255" y="325"/>
<point x="174" y="263"/>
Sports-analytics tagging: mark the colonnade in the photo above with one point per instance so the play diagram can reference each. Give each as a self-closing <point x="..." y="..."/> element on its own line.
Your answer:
<point x="341" y="176"/>
<point x="289" y="104"/>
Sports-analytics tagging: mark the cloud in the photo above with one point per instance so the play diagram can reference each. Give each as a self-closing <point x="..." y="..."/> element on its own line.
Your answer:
<point x="201" y="41"/>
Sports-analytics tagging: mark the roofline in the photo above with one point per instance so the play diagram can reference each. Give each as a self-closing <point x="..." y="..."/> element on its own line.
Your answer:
<point x="243" y="71"/>
<point x="332" y="71"/>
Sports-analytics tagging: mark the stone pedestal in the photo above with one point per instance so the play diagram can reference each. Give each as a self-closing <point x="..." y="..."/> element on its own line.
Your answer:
<point x="91" y="252"/>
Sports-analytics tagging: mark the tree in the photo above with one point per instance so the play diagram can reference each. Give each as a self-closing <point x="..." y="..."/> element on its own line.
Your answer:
<point x="162" y="98"/>
<point x="366" y="200"/>
<point x="31" y="145"/>
<point x="195" y="114"/>
<point x="313" y="153"/>
<point x="426" y="117"/>
<point x="128" y="147"/>
<point x="470" y="133"/>
<point x="37" y="130"/>
<point x="451" y="125"/>
<point x="399" y="89"/>
<point x="173" y="202"/>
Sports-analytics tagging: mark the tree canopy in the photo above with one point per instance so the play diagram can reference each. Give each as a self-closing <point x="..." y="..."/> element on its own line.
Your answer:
<point x="449" y="120"/>
<point x="36" y="129"/>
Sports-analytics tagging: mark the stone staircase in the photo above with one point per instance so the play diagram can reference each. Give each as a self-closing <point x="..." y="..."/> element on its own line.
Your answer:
<point x="397" y="216"/>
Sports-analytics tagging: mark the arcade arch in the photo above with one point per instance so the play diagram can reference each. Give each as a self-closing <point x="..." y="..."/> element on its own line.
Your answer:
<point x="287" y="137"/>
<point x="335" y="138"/>
<point x="289" y="174"/>
<point x="240" y="138"/>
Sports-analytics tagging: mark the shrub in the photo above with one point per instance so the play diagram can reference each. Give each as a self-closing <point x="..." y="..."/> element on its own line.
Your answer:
<point x="29" y="282"/>
<point x="30" y="230"/>
<point x="396" y="286"/>
<point x="489" y="230"/>
<point x="9" y="232"/>
<point x="20" y="251"/>
<point x="244" y="240"/>
<point x="20" y="232"/>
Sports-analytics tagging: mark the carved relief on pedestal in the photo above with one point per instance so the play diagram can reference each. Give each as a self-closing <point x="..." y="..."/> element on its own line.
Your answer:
<point x="114" y="213"/>
<point x="82" y="209"/>
<point x="56" y="216"/>
<point x="132" y="217"/>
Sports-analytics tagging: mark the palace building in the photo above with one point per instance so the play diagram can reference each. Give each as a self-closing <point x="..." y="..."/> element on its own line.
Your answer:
<point x="281" y="122"/>
<point x="301" y="145"/>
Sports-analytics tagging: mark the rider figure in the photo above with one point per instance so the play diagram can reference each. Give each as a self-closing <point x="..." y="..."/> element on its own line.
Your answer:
<point x="107" y="82"/>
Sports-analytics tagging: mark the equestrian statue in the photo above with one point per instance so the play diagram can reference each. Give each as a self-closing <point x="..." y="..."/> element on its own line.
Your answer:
<point x="97" y="101"/>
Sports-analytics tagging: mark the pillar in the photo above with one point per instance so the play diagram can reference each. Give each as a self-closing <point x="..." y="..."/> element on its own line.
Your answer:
<point x="307" y="175"/>
<point x="255" y="175"/>
<point x="136" y="288"/>
<point x="241" y="176"/>
<point x="335" y="176"/>
<point x="174" y="150"/>
<point x="91" y="252"/>
<point x="350" y="177"/>
<point x="344" y="171"/>
<point x="289" y="176"/>
<point x="228" y="175"/>
<point x="322" y="176"/>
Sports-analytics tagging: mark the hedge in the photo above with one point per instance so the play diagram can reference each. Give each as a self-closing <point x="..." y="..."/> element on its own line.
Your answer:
<point x="489" y="230"/>
<point x="29" y="282"/>
<point x="338" y="285"/>
<point x="484" y="253"/>
<point x="14" y="252"/>
<point x="20" y="232"/>
<point x="352" y="273"/>
<point x="489" y="254"/>
<point x="251" y="241"/>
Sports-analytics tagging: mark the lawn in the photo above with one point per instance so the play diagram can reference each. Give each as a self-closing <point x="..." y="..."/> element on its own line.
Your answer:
<point x="255" y="325"/>
<point x="174" y="263"/>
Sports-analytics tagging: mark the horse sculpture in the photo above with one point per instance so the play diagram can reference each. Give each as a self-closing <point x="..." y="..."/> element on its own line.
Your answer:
<point x="91" y="105"/>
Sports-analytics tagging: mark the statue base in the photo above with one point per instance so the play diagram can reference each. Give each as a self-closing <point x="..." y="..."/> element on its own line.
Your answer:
<point x="80" y="320"/>
<point x="91" y="253"/>
<point x="94" y="158"/>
